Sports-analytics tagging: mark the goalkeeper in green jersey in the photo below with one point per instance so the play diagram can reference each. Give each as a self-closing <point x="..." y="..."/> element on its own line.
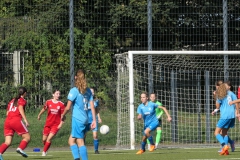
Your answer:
<point x="159" y="112"/>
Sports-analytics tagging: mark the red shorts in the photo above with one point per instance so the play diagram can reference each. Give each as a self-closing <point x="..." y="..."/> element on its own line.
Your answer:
<point x="50" y="129"/>
<point x="14" y="125"/>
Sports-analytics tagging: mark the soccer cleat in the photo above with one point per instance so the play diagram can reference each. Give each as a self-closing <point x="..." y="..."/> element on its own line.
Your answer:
<point x="156" y="146"/>
<point x="152" y="147"/>
<point x="226" y="153"/>
<point x="224" y="150"/>
<point x="1" y="158"/>
<point x="44" y="153"/>
<point x="96" y="152"/>
<point x="20" y="151"/>
<point x="233" y="146"/>
<point x="220" y="150"/>
<point x="140" y="151"/>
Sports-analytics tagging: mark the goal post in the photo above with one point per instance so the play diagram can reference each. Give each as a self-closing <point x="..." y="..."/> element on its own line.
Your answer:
<point x="183" y="81"/>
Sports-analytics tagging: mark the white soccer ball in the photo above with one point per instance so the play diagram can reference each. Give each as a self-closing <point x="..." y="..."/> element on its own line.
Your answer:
<point x="104" y="129"/>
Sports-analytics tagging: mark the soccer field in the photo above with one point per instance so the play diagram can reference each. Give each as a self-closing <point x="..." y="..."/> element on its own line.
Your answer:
<point x="163" y="154"/>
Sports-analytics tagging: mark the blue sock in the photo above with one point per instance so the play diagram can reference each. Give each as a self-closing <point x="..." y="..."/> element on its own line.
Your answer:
<point x="95" y="142"/>
<point x="143" y="145"/>
<point x="226" y="139"/>
<point x="151" y="140"/>
<point x="75" y="153"/>
<point x="230" y="140"/>
<point x="83" y="153"/>
<point x="220" y="139"/>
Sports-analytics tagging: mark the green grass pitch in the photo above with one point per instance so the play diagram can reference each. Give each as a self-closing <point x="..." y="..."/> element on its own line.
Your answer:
<point x="159" y="154"/>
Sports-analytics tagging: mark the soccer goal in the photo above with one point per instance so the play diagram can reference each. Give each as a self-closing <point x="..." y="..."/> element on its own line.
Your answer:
<point x="184" y="82"/>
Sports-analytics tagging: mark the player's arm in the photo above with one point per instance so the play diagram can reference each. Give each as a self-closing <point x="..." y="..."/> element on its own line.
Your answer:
<point x="99" y="118"/>
<point x="66" y="110"/>
<point x="217" y="108"/>
<point x="237" y="111"/>
<point x="98" y="115"/>
<point x="166" y="111"/>
<point x="139" y="117"/>
<point x="61" y="123"/>
<point x="21" y="110"/>
<point x="234" y="102"/>
<point x="93" y="125"/>
<point x="62" y="118"/>
<point x="41" y="112"/>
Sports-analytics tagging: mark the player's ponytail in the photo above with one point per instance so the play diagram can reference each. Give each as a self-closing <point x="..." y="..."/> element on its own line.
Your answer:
<point x="80" y="81"/>
<point x="21" y="91"/>
<point x="221" y="91"/>
<point x="218" y="83"/>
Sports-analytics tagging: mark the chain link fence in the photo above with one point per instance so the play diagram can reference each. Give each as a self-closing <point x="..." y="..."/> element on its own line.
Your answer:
<point x="43" y="42"/>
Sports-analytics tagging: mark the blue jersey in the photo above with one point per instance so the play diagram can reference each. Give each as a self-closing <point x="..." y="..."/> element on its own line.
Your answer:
<point x="90" y="118"/>
<point x="80" y="104"/>
<point x="148" y="112"/>
<point x="227" y="111"/>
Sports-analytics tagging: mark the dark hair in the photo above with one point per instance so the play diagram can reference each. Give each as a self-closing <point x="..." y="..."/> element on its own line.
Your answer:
<point x="145" y="94"/>
<point x="229" y="84"/>
<point x="55" y="90"/>
<point x="21" y="91"/>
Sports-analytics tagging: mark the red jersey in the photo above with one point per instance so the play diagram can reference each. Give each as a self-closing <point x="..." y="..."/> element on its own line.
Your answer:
<point x="13" y="112"/>
<point x="55" y="109"/>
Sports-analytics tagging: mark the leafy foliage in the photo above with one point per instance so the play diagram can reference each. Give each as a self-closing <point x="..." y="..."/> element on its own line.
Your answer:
<point x="40" y="29"/>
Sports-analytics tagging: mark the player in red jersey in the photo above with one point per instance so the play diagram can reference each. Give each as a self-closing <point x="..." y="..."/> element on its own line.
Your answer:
<point x="13" y="123"/>
<point x="53" y="123"/>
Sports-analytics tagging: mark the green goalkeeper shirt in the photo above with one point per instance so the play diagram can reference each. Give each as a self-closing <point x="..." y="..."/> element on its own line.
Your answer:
<point x="158" y="111"/>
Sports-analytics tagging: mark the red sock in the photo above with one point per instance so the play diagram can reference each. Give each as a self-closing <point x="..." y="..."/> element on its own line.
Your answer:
<point x="3" y="148"/>
<point x="43" y="142"/>
<point x="23" y="144"/>
<point x="46" y="146"/>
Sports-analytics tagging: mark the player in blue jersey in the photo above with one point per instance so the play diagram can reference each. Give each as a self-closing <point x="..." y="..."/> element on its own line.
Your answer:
<point x="98" y="120"/>
<point x="232" y="143"/>
<point x="159" y="113"/>
<point x="146" y="111"/>
<point x="227" y="114"/>
<point x="78" y="98"/>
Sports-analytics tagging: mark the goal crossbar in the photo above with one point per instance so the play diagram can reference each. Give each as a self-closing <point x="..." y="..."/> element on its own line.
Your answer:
<point x="185" y="52"/>
<point x="131" y="77"/>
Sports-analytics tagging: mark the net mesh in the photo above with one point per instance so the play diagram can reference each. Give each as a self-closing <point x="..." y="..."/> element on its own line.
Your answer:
<point x="184" y="84"/>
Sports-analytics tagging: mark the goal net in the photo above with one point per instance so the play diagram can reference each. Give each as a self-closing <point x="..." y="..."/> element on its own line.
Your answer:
<point x="184" y="82"/>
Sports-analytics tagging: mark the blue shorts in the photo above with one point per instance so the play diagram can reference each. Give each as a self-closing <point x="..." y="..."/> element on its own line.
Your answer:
<point x="78" y="129"/>
<point x="152" y="126"/>
<point x="226" y="123"/>
<point x="89" y="127"/>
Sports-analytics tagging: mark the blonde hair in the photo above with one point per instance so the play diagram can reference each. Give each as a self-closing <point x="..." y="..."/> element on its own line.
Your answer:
<point x="221" y="91"/>
<point x="80" y="81"/>
<point x="217" y="84"/>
